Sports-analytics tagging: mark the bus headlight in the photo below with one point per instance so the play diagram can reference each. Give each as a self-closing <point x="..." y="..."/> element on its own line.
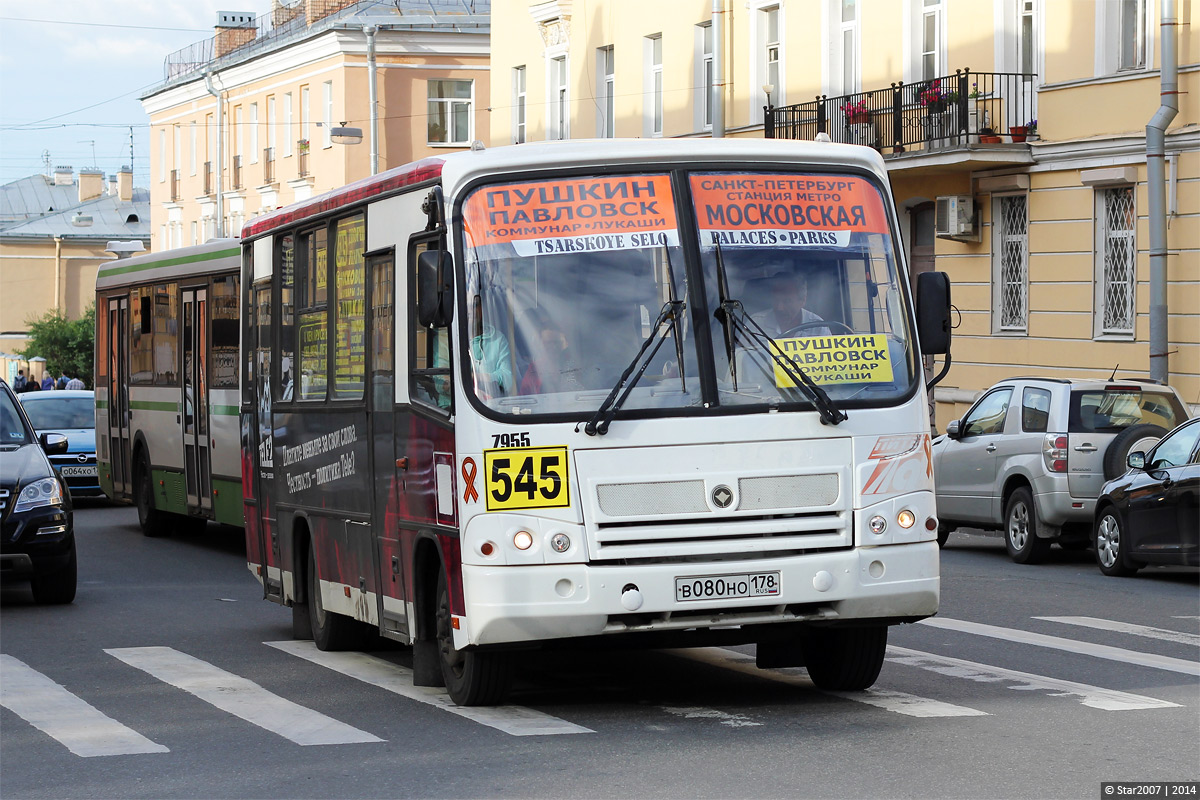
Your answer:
<point x="522" y="540"/>
<point x="906" y="519"/>
<point x="44" y="492"/>
<point x="877" y="524"/>
<point x="560" y="542"/>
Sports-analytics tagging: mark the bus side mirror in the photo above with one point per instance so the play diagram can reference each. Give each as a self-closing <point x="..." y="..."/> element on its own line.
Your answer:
<point x="435" y="302"/>
<point x="933" y="312"/>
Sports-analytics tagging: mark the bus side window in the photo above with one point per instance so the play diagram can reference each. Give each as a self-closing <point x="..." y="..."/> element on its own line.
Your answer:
<point x="430" y="374"/>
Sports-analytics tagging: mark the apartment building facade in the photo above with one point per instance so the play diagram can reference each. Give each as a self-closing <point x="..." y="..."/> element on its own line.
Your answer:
<point x="245" y="121"/>
<point x="1026" y="117"/>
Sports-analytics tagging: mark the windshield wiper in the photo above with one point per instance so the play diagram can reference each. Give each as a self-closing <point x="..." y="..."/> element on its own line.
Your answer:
<point x="733" y="319"/>
<point x="671" y="311"/>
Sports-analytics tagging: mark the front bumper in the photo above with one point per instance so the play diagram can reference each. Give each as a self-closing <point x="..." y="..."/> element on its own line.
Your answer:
<point x="529" y="603"/>
<point x="37" y="541"/>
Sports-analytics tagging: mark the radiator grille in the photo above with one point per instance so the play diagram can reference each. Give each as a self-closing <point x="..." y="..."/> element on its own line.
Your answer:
<point x="658" y="498"/>
<point x="787" y="491"/>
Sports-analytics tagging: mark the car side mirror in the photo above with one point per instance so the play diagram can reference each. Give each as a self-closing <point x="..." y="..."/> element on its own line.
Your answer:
<point x="1136" y="460"/>
<point x="952" y="430"/>
<point x="53" y="444"/>
<point x="435" y="301"/>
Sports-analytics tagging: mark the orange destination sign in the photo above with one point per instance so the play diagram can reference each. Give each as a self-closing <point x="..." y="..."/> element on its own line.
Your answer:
<point x="785" y="210"/>
<point x="574" y="215"/>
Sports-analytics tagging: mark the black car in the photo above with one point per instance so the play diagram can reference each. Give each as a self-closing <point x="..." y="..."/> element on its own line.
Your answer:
<point x="37" y="536"/>
<point x="1151" y="514"/>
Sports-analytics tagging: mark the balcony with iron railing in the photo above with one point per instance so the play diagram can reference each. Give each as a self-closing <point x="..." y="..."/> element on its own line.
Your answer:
<point x="984" y="114"/>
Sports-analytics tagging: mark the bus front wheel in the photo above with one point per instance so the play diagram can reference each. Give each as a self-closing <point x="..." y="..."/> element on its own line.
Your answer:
<point x="473" y="678"/>
<point x="845" y="659"/>
<point x="152" y="521"/>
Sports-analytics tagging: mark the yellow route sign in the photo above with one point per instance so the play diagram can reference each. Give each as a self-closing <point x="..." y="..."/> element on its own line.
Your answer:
<point x="857" y="358"/>
<point x="526" y="477"/>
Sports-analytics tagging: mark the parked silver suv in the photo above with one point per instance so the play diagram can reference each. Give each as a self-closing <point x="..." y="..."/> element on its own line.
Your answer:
<point x="1030" y="456"/>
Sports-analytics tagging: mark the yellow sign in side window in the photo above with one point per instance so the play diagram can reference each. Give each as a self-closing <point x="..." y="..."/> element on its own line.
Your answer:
<point x="526" y="477"/>
<point x="861" y="358"/>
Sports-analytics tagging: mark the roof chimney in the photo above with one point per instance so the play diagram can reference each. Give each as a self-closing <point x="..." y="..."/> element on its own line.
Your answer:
<point x="91" y="184"/>
<point x="125" y="184"/>
<point x="111" y="189"/>
<point x="64" y="176"/>
<point x="234" y="29"/>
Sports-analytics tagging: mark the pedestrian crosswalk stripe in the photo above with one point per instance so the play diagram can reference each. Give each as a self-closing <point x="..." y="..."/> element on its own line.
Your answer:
<point x="240" y="697"/>
<point x="899" y="702"/>
<point x="514" y="720"/>
<point x="1163" y="634"/>
<point x="1092" y="696"/>
<point x="56" y="712"/>
<point x="1068" y="645"/>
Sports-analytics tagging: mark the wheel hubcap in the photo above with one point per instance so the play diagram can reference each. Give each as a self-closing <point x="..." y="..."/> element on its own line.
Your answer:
<point x="1108" y="541"/>
<point x="1018" y="526"/>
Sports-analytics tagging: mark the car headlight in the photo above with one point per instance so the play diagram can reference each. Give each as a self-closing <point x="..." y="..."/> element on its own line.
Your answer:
<point x="44" y="492"/>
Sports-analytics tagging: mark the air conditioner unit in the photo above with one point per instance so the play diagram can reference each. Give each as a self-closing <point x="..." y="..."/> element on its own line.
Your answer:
<point x="955" y="217"/>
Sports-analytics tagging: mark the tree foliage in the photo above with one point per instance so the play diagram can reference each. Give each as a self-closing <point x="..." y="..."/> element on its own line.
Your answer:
<point x="68" y="345"/>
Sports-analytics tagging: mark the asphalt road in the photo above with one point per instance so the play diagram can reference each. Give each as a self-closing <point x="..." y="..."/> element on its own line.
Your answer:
<point x="159" y="682"/>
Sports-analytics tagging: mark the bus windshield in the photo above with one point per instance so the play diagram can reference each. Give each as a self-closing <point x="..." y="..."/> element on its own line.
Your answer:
<point x="567" y="279"/>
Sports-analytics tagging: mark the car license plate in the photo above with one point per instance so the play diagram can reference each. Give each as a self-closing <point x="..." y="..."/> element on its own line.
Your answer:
<point x="88" y="471"/>
<point x="727" y="587"/>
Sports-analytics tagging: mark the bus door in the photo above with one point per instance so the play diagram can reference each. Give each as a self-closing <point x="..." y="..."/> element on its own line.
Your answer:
<point x="196" y="464"/>
<point x="118" y="394"/>
<point x="389" y="576"/>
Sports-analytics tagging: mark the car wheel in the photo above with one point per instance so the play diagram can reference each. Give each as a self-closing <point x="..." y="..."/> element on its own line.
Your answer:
<point x="153" y="521"/>
<point x="330" y="631"/>
<point x="942" y="536"/>
<point x="1112" y="546"/>
<point x="1135" y="437"/>
<point x="58" y="587"/>
<point x="1021" y="527"/>
<point x="845" y="659"/>
<point x="473" y="678"/>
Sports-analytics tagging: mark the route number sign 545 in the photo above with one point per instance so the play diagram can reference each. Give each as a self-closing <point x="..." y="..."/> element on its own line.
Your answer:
<point x="526" y="477"/>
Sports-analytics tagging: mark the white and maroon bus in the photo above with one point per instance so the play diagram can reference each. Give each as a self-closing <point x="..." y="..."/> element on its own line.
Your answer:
<point x="661" y="392"/>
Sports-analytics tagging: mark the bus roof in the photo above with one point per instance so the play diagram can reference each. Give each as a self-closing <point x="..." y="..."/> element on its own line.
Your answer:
<point x="214" y="256"/>
<point x="455" y="169"/>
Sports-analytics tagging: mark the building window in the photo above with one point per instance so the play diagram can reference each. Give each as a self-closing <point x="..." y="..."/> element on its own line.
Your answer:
<point x="771" y="17"/>
<point x="767" y="69"/>
<point x="327" y="105"/>
<point x="560" y="101"/>
<point x="271" y="122"/>
<point x="1133" y="34"/>
<point x="606" y="125"/>
<point x="177" y="152"/>
<point x="931" y="37"/>
<point x="704" y="74"/>
<point x="449" y="112"/>
<point x="162" y="155"/>
<point x="304" y="114"/>
<point x="653" y="109"/>
<point x="848" y="35"/>
<point x="1117" y="279"/>
<point x="192" y="147"/>
<point x="1027" y="41"/>
<point x="287" y="125"/>
<point x="254" y="133"/>
<point x="1011" y="237"/>
<point x="240" y="139"/>
<point x="519" y="105"/>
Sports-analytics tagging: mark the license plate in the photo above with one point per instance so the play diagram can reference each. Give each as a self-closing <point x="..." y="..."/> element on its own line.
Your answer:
<point x="727" y="587"/>
<point x="88" y="471"/>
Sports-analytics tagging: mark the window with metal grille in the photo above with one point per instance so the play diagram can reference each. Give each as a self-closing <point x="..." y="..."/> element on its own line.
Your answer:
<point x="1012" y="251"/>
<point x="1119" y="267"/>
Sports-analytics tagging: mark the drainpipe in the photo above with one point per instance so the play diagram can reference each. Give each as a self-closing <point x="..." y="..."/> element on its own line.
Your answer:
<point x="219" y="167"/>
<point x="372" y="97"/>
<point x="57" y="271"/>
<point x="718" y="67"/>
<point x="1156" y="185"/>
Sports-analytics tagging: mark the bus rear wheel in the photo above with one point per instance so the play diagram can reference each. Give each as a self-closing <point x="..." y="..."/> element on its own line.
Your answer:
<point x="845" y="659"/>
<point x="473" y="678"/>
<point x="152" y="521"/>
<point x="330" y="631"/>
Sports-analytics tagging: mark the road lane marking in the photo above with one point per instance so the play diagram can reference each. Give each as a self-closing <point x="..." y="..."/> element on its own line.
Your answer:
<point x="53" y="710"/>
<point x="898" y="702"/>
<point x="1163" y="634"/>
<point x="1092" y="696"/>
<point x="240" y="697"/>
<point x="514" y="720"/>
<point x="1069" y="645"/>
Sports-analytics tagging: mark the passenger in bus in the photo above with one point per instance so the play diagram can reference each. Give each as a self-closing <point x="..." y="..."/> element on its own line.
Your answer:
<point x="553" y="368"/>
<point x="789" y="294"/>
<point x="491" y="360"/>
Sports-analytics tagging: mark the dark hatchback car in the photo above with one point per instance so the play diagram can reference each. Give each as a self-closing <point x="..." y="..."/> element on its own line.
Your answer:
<point x="1151" y="514"/>
<point x="37" y="536"/>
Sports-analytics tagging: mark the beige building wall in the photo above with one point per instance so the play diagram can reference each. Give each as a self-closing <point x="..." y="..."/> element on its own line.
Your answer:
<point x="44" y="274"/>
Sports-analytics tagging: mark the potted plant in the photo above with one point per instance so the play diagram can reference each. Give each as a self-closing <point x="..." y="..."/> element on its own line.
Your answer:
<point x="302" y="145"/>
<point x="1031" y="129"/>
<point x="1018" y="132"/>
<point x="933" y="99"/>
<point x="856" y="112"/>
<point x="988" y="136"/>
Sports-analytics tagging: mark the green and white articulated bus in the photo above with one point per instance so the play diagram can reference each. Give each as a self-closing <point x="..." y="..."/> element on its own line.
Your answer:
<point x="167" y="385"/>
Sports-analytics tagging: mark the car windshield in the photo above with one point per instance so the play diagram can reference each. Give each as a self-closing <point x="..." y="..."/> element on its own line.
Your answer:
<point x="1113" y="409"/>
<point x="567" y="279"/>
<point x="61" y="413"/>
<point x="12" y="429"/>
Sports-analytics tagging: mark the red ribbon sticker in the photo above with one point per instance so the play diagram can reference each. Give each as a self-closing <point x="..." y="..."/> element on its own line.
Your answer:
<point x="469" y="471"/>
